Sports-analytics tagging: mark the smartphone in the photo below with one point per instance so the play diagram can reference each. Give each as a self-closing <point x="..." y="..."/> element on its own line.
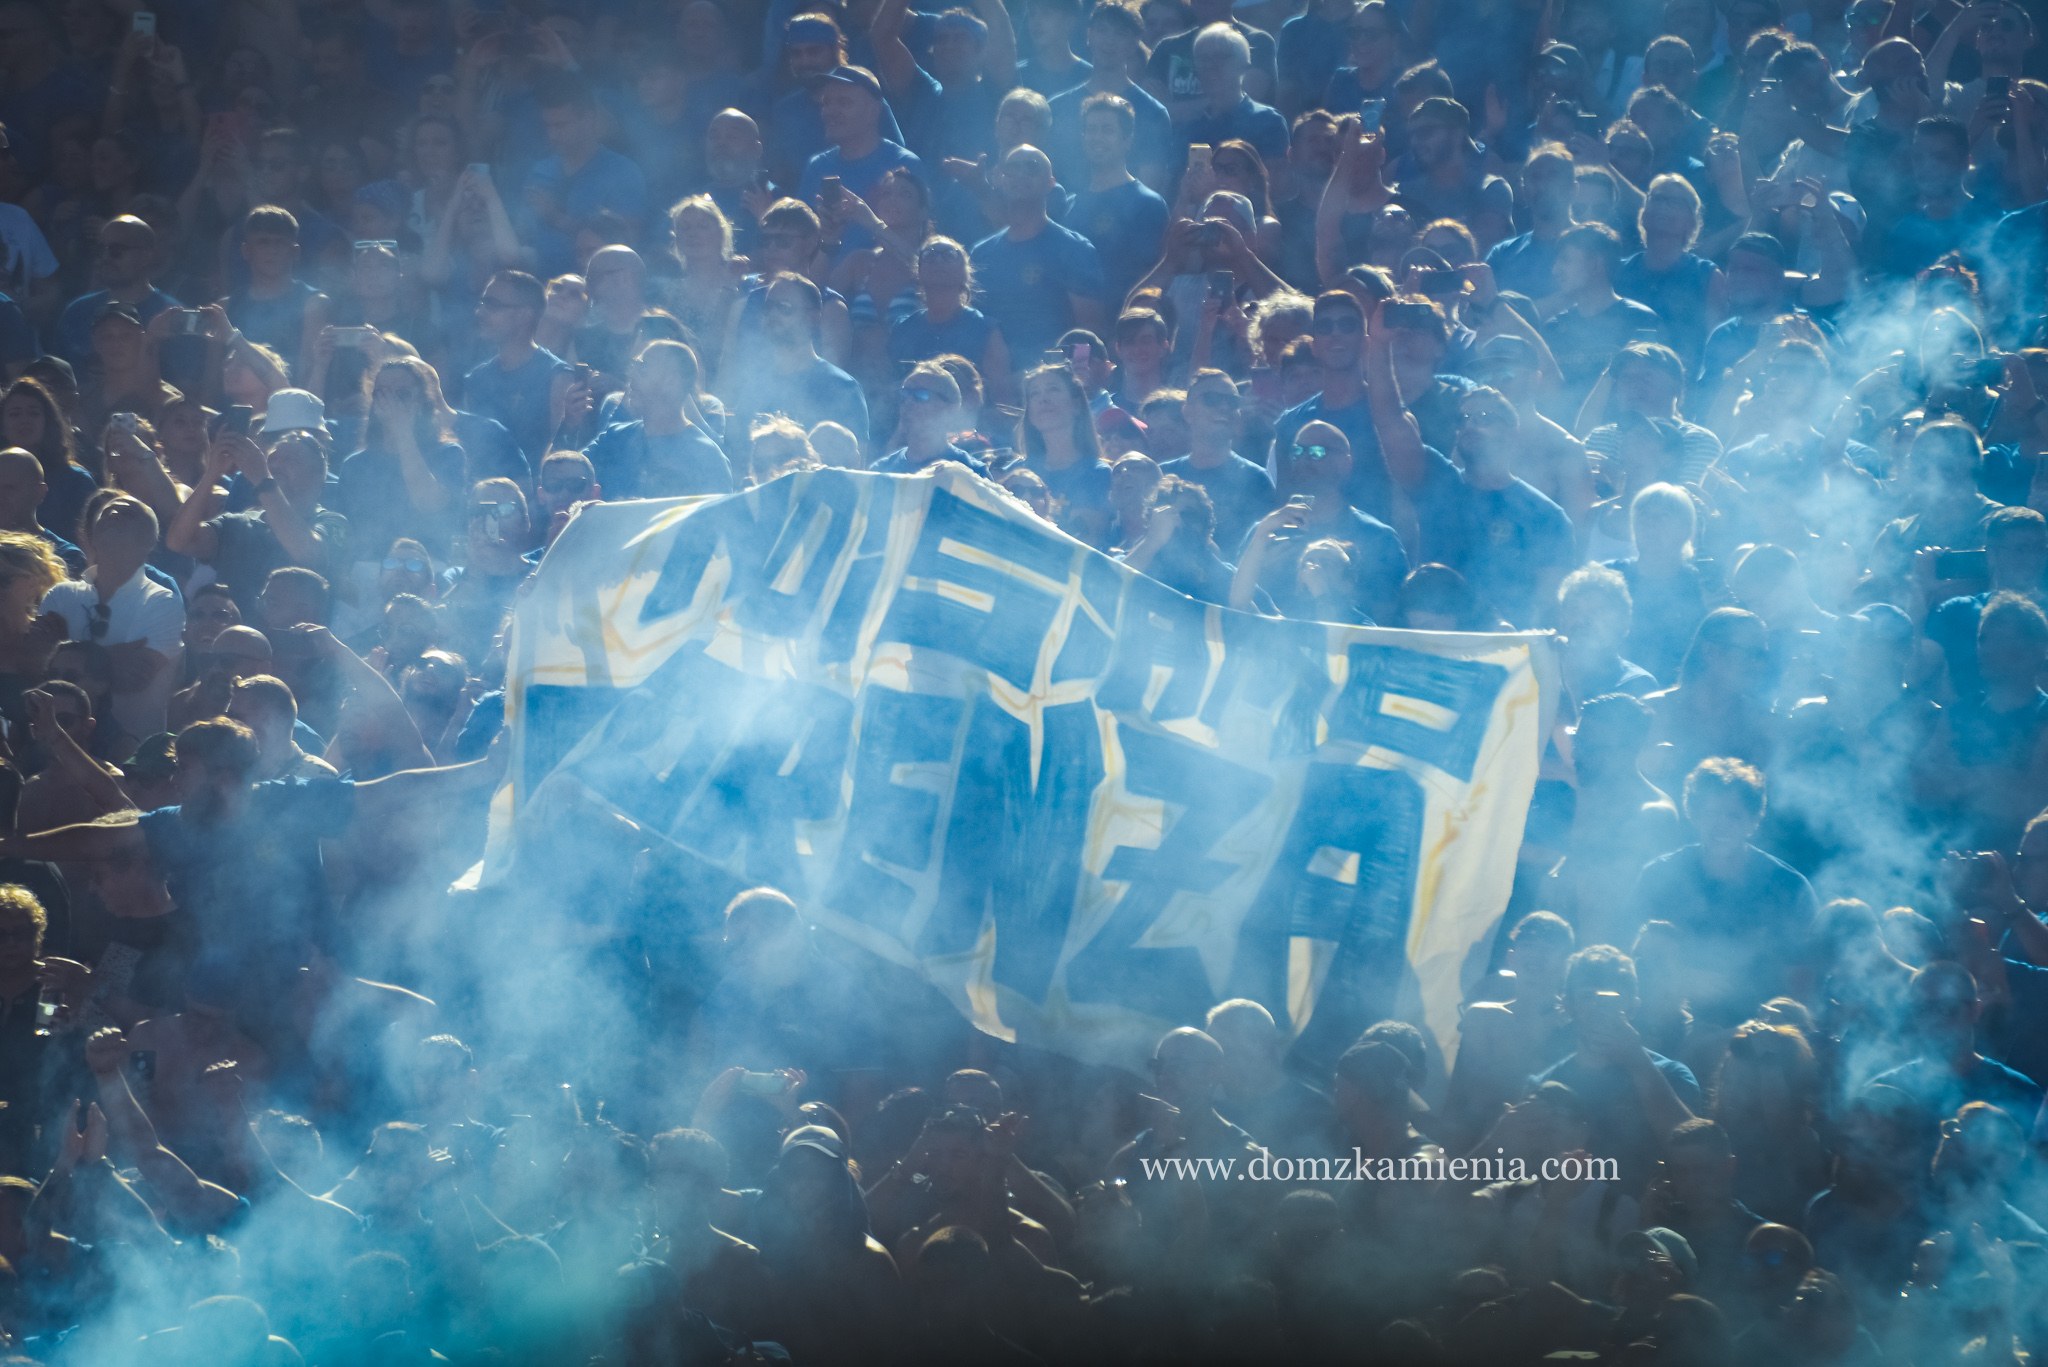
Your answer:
<point x="124" y="422"/>
<point x="1222" y="285"/>
<point x="191" y="322"/>
<point x="142" y="23"/>
<point x="236" y="419"/>
<point x="829" y="189"/>
<point x="585" y="373"/>
<point x="1417" y="316"/>
<point x="353" y="338"/>
<point x="1083" y="353"/>
<point x="1442" y="284"/>
<point x="1995" y="87"/>
<point x="1372" y="115"/>
<point x="1200" y="159"/>
<point x="1592" y="125"/>
<point x="763" y="1084"/>
<point x="1962" y="565"/>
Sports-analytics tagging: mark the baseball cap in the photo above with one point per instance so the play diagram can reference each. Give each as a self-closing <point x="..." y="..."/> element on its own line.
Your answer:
<point x="294" y="410"/>
<point x="815" y="1137"/>
<point x="859" y="77"/>
<point x="116" y="309"/>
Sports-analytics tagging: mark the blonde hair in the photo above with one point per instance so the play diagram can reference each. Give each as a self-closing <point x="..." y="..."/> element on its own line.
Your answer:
<point x="704" y="204"/>
<point x="15" y="897"/>
<point x="23" y="555"/>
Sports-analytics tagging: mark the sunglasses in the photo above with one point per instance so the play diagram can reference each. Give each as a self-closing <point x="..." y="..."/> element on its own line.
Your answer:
<point x="494" y="510"/>
<point x="1300" y="452"/>
<point x="560" y="488"/>
<point x="380" y="245"/>
<point x="1339" y="324"/>
<point x="1218" y="400"/>
<point x="227" y="615"/>
<point x="410" y="564"/>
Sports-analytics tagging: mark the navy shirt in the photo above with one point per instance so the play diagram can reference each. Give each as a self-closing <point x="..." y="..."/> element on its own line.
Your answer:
<point x="1127" y="224"/>
<point x="1260" y="125"/>
<point x="278" y="322"/>
<point x="1152" y="143"/>
<point x="918" y="338"/>
<point x="1025" y="285"/>
<point x="1526" y="264"/>
<point x="373" y="497"/>
<point x="1172" y="67"/>
<point x="1240" y="491"/>
<point x="607" y="182"/>
<point x="1506" y="541"/>
<point x="632" y="464"/>
<point x="518" y="399"/>
<point x="1369" y="489"/>
<point x="73" y="340"/>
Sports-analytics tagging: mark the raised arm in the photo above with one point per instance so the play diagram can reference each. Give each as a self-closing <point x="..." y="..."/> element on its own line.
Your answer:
<point x="193" y="1202"/>
<point x="896" y="67"/>
<point x="82" y="769"/>
<point x="999" y="58"/>
<point x="1399" y="436"/>
<point x="188" y="533"/>
<point x="88" y="840"/>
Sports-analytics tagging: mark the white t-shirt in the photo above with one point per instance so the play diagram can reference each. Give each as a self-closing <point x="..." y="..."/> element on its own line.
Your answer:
<point x="140" y="610"/>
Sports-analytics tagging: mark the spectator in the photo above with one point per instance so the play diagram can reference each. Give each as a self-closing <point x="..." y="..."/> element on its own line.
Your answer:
<point x="115" y="605"/>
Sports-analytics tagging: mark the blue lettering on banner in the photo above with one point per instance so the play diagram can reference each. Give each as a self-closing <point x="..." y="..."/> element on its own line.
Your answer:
<point x="1014" y="849"/>
<point x="786" y="614"/>
<point x="1004" y="638"/>
<point x="1213" y="795"/>
<point x="1159" y="627"/>
<point x="1464" y="688"/>
<point x="1085" y="652"/>
<point x="889" y="822"/>
<point x="841" y="632"/>
<point x="728" y="523"/>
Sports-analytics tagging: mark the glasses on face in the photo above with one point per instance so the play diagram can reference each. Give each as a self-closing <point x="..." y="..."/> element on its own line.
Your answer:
<point x="1339" y="325"/>
<point x="560" y="488"/>
<point x="1218" y="400"/>
<point x="119" y="248"/>
<point x="102" y="618"/>
<point x="498" y="510"/>
<point x="380" y="245"/>
<point x="920" y="395"/>
<point x="1300" y="452"/>
<point x="410" y="564"/>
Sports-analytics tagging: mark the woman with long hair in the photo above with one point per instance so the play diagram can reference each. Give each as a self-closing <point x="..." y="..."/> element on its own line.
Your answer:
<point x="1240" y="169"/>
<point x="948" y="324"/>
<point x="31" y="419"/>
<point x="407" y="480"/>
<point x="706" y="287"/>
<point x="1060" y="444"/>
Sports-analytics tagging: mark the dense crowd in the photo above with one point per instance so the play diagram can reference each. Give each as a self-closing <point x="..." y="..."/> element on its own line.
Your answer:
<point x="1713" y="336"/>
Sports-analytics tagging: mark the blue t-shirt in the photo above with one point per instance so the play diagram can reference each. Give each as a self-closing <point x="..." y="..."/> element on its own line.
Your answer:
<point x="796" y="132"/>
<point x="897" y="462"/>
<point x="254" y="881"/>
<point x="73" y="340"/>
<point x="278" y="322"/>
<point x="822" y="392"/>
<point x="1678" y="296"/>
<point x="372" y="495"/>
<point x="1526" y="264"/>
<point x="1239" y="491"/>
<point x="608" y="181"/>
<point x="1127" y="224"/>
<point x="918" y="338"/>
<point x="632" y="464"/>
<point x="517" y="399"/>
<point x="1369" y="490"/>
<point x="1308" y="50"/>
<point x="859" y="175"/>
<point x="1026" y="286"/>
<point x="1503" y="541"/>
<point x="1152" y="143"/>
<point x="1260" y="125"/>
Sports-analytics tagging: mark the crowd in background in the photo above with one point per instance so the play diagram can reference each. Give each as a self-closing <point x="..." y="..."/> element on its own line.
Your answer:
<point x="1710" y="334"/>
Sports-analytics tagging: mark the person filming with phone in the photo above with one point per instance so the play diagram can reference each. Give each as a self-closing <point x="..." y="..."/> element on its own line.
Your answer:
<point x="1315" y="466"/>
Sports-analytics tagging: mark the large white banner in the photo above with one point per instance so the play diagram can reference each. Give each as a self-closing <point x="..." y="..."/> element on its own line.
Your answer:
<point x="1083" y="805"/>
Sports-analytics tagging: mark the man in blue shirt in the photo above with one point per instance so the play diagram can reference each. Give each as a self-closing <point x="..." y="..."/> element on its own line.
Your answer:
<point x="664" y="454"/>
<point x="1037" y="278"/>
<point x="127" y="256"/>
<point x="580" y="180"/>
<point x="1172" y="67"/>
<point x="1222" y="111"/>
<point x="850" y="102"/>
<point x="793" y="380"/>
<point x="1123" y="218"/>
<point x="513" y="387"/>
<point x="1116" y="47"/>
<point x="928" y="418"/>
<point x="1524" y="264"/>
<point x="1337" y="334"/>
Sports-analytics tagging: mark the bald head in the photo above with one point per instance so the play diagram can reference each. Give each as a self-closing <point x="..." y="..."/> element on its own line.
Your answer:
<point x="1188" y="1065"/>
<point x="127" y="255"/>
<point x="732" y="147"/>
<point x="21" y="489"/>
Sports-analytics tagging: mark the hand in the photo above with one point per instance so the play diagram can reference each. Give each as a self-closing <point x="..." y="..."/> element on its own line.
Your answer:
<point x="1611" y="1038"/>
<point x="85" y="1146"/>
<point x="106" y="1052"/>
<point x="170" y="62"/>
<point x="1004" y="1133"/>
<point x="1160" y="1116"/>
<point x="42" y="716"/>
<point x="213" y="321"/>
<point x="972" y="174"/>
<point x="245" y="454"/>
<point x="220" y="459"/>
<point x="1288" y="517"/>
<point x="1228" y="238"/>
<point x="315" y="640"/>
<point x="1161" y="523"/>
<point x="1485" y="289"/>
